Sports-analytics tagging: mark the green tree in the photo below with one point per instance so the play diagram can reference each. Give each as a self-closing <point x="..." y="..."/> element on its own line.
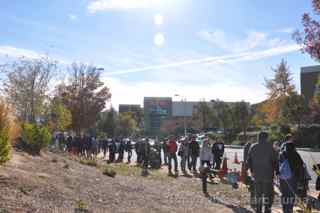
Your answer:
<point x="201" y="115"/>
<point x="108" y="122"/>
<point x="294" y="109"/>
<point x="85" y="95"/>
<point x="242" y="114"/>
<point x="60" y="116"/>
<point x="5" y="146"/>
<point x="127" y="124"/>
<point x="222" y="112"/>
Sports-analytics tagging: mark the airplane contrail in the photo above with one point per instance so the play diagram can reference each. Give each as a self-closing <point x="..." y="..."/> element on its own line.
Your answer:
<point x="224" y="59"/>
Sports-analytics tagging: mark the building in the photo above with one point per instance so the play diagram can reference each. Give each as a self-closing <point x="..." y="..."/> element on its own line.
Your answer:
<point x="156" y="109"/>
<point x="129" y="108"/>
<point x="309" y="77"/>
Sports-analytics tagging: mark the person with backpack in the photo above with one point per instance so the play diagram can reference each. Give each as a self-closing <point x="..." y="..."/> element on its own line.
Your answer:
<point x="194" y="149"/>
<point x="172" y="149"/>
<point x="262" y="162"/>
<point x="293" y="175"/>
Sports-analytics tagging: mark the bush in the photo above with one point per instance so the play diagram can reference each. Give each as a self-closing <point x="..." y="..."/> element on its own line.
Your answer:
<point x="5" y="122"/>
<point x="109" y="172"/>
<point x="34" y="138"/>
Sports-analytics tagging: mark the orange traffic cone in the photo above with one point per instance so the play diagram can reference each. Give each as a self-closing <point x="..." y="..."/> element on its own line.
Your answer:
<point x="224" y="170"/>
<point x="236" y="160"/>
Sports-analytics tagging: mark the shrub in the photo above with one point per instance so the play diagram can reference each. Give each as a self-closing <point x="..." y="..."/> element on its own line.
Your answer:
<point x="34" y="138"/>
<point x="109" y="172"/>
<point x="4" y="132"/>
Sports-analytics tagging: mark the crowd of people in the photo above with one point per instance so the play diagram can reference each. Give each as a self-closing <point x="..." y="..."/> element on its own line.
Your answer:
<point x="269" y="164"/>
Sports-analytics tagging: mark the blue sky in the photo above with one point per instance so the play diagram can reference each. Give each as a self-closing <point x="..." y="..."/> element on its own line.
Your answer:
<point x="197" y="48"/>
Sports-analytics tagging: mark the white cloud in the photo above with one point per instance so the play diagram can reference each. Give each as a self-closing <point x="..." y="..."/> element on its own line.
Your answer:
<point x="126" y="92"/>
<point x="253" y="40"/>
<point x="73" y="17"/>
<point x="19" y="52"/>
<point x="288" y="30"/>
<point x="105" y="5"/>
<point x="224" y="59"/>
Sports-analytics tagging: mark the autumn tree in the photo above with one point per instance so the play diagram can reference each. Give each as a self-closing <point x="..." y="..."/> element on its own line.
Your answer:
<point x="26" y="85"/>
<point x="279" y="87"/>
<point x="85" y="95"/>
<point x="309" y="38"/>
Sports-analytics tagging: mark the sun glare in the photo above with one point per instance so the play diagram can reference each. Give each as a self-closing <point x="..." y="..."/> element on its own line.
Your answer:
<point x="159" y="39"/>
<point x="158" y="19"/>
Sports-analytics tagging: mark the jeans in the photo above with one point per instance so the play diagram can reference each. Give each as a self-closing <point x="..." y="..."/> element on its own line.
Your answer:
<point x="183" y="163"/>
<point x="194" y="160"/>
<point x="288" y="189"/>
<point x="217" y="163"/>
<point x="173" y="157"/>
<point x="129" y="156"/>
<point x="264" y="196"/>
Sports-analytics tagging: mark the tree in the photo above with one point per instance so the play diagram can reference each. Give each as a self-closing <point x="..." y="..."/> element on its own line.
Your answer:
<point x="127" y="124"/>
<point x="281" y="84"/>
<point x="310" y="37"/>
<point x="279" y="87"/>
<point x="59" y="117"/>
<point x="222" y="113"/>
<point x="201" y="115"/>
<point x="5" y="122"/>
<point x="85" y="96"/>
<point x="108" y="122"/>
<point x="241" y="113"/>
<point x="294" y="109"/>
<point x="26" y="86"/>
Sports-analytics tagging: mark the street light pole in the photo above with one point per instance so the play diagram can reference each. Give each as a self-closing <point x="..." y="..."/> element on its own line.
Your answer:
<point x="184" y="101"/>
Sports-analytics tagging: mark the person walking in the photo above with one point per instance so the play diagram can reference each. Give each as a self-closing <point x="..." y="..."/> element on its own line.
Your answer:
<point x="218" y="152"/>
<point x="292" y="175"/>
<point x="206" y="153"/>
<point x="262" y="162"/>
<point x="194" y="153"/>
<point x="172" y="150"/>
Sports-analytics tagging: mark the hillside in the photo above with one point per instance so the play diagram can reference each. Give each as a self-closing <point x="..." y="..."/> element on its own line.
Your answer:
<point x="55" y="183"/>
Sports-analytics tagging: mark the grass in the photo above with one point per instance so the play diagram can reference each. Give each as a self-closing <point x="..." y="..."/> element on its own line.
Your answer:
<point x="89" y="162"/>
<point x="123" y="169"/>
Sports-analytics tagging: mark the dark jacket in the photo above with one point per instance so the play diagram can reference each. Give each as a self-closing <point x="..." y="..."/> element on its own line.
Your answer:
<point x="218" y="150"/>
<point x="194" y="148"/>
<point x="262" y="161"/>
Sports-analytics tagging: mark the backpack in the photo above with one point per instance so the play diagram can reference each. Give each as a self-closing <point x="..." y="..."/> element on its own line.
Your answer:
<point x="285" y="170"/>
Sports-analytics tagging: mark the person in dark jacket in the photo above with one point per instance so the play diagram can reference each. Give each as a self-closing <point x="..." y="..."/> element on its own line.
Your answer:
<point x="165" y="152"/>
<point x="112" y="151"/>
<point x="292" y="176"/>
<point x="262" y="162"/>
<point x="121" y="150"/>
<point x="129" y="150"/>
<point x="218" y="152"/>
<point x="194" y="151"/>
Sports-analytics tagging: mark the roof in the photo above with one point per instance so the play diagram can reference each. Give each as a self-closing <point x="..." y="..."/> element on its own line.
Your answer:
<point x="310" y="69"/>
